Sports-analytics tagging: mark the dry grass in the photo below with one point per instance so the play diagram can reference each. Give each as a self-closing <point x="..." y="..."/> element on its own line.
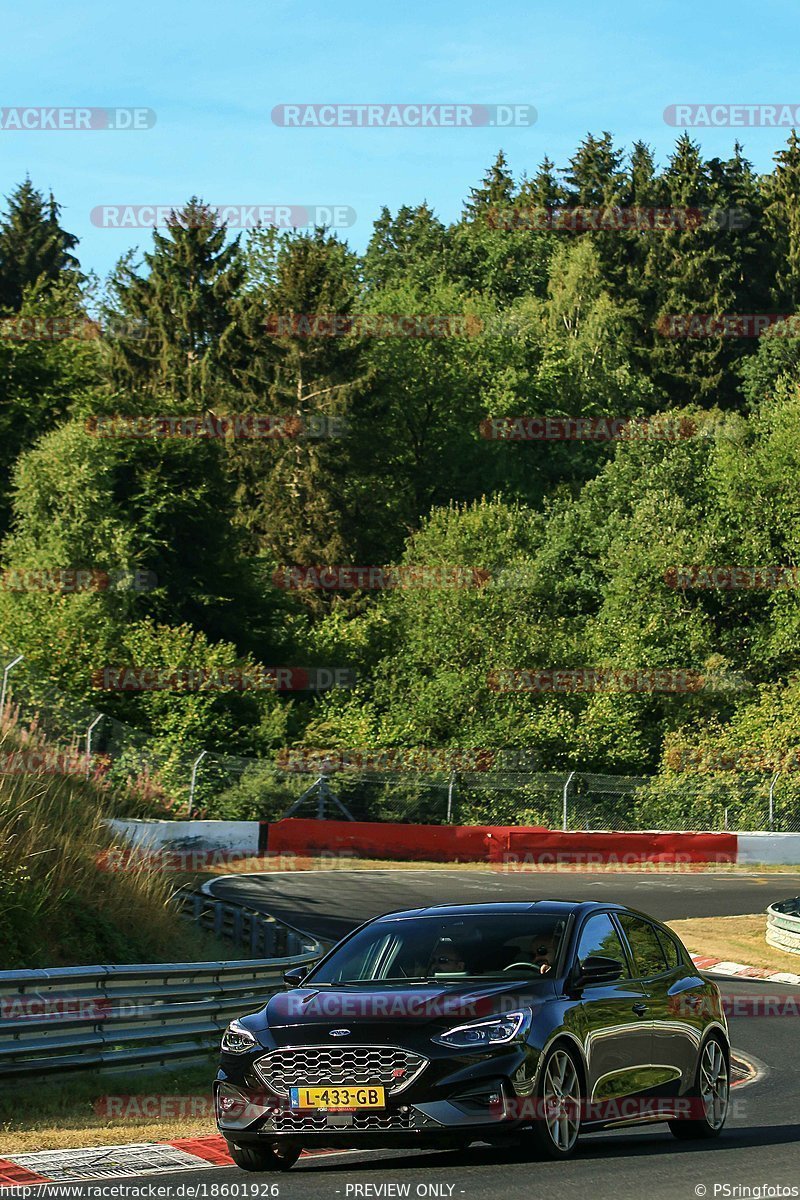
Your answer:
<point x="68" y="1113"/>
<point x="735" y="939"/>
<point x="59" y="906"/>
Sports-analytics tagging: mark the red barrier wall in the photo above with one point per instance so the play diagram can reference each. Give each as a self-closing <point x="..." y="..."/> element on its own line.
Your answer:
<point x="509" y="844"/>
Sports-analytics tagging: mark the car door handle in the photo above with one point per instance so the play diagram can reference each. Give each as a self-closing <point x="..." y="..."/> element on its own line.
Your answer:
<point x="640" y="1009"/>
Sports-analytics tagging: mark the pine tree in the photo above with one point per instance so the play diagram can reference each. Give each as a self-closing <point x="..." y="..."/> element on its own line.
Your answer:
<point x="295" y="490"/>
<point x="545" y="190"/>
<point x="692" y="270"/>
<point x="597" y="181"/>
<point x="642" y="184"/>
<point x="783" y="219"/>
<point x="33" y="246"/>
<point x="495" y="249"/>
<point x="408" y="246"/>
<point x="496" y="190"/>
<point x="595" y="174"/>
<point x="173" y="329"/>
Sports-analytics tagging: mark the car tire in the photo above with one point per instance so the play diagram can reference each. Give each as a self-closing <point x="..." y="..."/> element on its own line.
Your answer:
<point x="559" y="1103"/>
<point x="711" y="1092"/>
<point x="263" y="1158"/>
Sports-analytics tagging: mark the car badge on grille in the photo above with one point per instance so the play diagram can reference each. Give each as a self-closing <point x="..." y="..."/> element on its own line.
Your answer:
<point x="340" y="1033"/>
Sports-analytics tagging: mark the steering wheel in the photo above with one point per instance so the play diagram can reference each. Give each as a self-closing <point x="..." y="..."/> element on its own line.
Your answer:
<point x="528" y="965"/>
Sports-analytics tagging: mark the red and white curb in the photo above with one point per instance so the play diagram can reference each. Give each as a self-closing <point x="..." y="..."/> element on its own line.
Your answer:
<point x="112" y="1162"/>
<point x="719" y="966"/>
<point x="109" y="1162"/>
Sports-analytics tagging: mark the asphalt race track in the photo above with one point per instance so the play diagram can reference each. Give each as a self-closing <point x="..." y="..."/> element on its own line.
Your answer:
<point x="329" y="903"/>
<point x="759" y="1148"/>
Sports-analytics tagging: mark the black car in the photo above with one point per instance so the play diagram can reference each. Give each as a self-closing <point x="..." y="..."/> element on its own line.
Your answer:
<point x="483" y="1022"/>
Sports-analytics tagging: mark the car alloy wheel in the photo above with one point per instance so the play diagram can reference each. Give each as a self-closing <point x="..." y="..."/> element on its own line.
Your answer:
<point x="556" y="1130"/>
<point x="711" y="1093"/>
<point x="714" y="1086"/>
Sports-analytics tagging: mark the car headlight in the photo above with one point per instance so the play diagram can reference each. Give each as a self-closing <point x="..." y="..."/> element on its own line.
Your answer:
<point x="494" y="1031"/>
<point x="237" y="1040"/>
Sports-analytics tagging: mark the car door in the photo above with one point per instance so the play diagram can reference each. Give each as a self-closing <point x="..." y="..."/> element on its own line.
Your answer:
<point x="617" y="1024"/>
<point x="659" y="967"/>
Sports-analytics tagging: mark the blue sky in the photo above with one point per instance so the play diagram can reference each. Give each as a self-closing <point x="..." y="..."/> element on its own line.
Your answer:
<point x="213" y="72"/>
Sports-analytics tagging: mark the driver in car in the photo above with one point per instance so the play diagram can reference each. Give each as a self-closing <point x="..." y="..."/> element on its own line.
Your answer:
<point x="544" y="954"/>
<point x="446" y="958"/>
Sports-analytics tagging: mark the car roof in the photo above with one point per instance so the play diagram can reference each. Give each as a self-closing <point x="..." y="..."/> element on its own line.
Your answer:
<point x="554" y="908"/>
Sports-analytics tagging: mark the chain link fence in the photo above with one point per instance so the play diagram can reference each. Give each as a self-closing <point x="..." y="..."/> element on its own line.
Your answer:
<point x="142" y="778"/>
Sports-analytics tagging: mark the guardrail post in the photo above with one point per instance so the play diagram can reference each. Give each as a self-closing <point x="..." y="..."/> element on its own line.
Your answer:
<point x="565" y="802"/>
<point x="6" y="672"/>
<point x="450" y="789"/>
<point x="193" y="783"/>
<point x="772" y="800"/>
<point x="89" y="733"/>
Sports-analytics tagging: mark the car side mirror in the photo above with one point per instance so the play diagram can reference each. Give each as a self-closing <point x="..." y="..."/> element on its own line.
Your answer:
<point x="599" y="969"/>
<point x="295" y="975"/>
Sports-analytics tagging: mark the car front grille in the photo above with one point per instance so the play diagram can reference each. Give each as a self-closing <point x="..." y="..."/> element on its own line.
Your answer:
<point x="312" y="1066"/>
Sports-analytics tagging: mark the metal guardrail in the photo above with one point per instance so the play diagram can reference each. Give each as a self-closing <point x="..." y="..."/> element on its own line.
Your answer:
<point x="783" y="925"/>
<point x="101" y="1018"/>
<point x="259" y="932"/>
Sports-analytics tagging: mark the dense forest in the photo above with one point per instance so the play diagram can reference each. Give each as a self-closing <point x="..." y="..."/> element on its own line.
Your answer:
<point x="199" y="421"/>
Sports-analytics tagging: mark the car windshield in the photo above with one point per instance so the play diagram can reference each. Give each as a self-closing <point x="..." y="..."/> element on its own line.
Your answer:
<point x="447" y="949"/>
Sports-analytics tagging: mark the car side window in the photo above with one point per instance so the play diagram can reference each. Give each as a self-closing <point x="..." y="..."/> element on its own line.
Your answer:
<point x="670" y="947"/>
<point x="599" y="937"/>
<point x="648" y="954"/>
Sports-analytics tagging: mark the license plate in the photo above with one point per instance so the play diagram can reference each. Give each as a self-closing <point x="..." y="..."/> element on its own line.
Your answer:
<point x="337" y="1097"/>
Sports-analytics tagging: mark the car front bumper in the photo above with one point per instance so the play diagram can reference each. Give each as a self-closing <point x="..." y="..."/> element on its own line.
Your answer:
<point x="247" y="1116"/>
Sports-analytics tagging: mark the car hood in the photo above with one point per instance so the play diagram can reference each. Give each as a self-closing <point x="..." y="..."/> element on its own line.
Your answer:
<point x="419" y="1005"/>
